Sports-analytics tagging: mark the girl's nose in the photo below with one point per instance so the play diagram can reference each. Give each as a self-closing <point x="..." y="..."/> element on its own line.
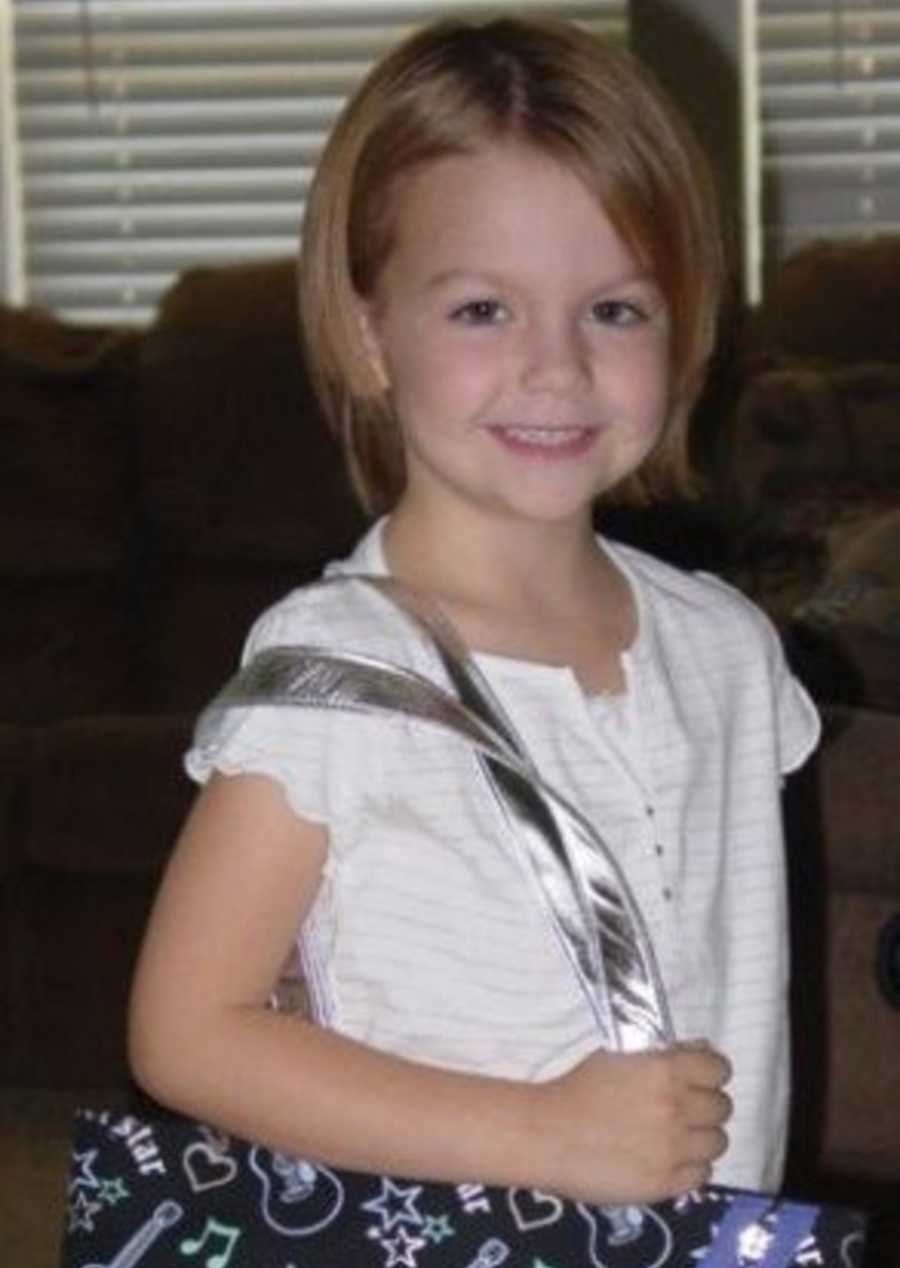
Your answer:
<point x="553" y="358"/>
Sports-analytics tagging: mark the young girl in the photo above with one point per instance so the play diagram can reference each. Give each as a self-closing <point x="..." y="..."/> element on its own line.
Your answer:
<point x="510" y="272"/>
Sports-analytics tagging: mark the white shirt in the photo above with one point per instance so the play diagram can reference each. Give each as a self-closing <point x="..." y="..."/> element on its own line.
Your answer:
<point x="428" y="939"/>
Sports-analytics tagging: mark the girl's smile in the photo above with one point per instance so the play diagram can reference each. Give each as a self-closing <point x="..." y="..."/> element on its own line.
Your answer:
<point x="547" y="444"/>
<point x="524" y="348"/>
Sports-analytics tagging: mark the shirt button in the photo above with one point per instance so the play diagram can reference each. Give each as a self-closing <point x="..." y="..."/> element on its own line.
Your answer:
<point x="667" y="894"/>
<point x="659" y="850"/>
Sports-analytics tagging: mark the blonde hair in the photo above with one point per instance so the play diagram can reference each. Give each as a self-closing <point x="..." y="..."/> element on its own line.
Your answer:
<point x="449" y="89"/>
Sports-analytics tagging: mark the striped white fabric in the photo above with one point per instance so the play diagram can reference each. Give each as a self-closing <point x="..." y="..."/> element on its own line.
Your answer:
<point x="427" y="939"/>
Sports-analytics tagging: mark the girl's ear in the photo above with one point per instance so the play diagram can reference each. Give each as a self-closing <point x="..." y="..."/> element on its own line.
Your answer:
<point x="372" y="346"/>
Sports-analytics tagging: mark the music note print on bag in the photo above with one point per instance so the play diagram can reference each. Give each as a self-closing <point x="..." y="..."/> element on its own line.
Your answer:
<point x="219" y="1258"/>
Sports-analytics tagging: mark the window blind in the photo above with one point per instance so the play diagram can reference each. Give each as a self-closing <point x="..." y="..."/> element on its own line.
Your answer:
<point x="830" y="107"/>
<point x="158" y="134"/>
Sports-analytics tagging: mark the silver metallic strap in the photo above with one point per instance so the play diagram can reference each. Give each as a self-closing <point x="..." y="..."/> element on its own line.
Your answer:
<point x="584" y="890"/>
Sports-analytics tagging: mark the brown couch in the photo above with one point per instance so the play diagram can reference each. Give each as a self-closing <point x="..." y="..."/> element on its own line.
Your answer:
<point x="809" y="471"/>
<point x="158" y="488"/>
<point x="813" y="463"/>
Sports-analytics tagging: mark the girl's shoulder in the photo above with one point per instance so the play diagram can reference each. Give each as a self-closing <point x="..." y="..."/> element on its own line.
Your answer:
<point x="340" y="614"/>
<point x="340" y="611"/>
<point x="703" y="628"/>
<point x="699" y="618"/>
<point x="679" y="593"/>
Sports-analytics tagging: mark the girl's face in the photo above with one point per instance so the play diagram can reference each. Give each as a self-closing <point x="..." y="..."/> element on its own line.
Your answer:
<point x="525" y="350"/>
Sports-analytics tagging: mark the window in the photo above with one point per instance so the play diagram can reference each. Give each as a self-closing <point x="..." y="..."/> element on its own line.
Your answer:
<point x="830" y="107"/>
<point x="157" y="134"/>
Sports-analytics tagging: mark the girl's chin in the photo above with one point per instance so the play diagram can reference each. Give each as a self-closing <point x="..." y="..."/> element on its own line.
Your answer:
<point x="556" y="508"/>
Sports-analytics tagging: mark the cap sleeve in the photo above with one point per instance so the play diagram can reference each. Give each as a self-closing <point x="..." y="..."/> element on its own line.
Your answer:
<point x="288" y="745"/>
<point x="795" y="719"/>
<point x="798" y="721"/>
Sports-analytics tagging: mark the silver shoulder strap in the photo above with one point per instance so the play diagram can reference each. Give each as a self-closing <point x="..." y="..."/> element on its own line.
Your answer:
<point x="585" y="892"/>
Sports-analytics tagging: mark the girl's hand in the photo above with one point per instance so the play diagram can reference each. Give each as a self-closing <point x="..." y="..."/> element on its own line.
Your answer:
<point x="638" y="1127"/>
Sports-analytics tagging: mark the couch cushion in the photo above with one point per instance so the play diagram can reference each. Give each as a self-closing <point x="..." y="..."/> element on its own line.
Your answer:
<point x="814" y="461"/>
<point x="107" y="794"/>
<point x="843" y="812"/>
<point x="68" y="646"/>
<point x="236" y="461"/>
<point x="15" y="751"/>
<point x="860" y="807"/>
<point x="76" y="939"/>
<point x="834" y="302"/>
<point x="863" y="1105"/>
<point x="195" y="618"/>
<point x="813" y="447"/>
<point x="862" y="587"/>
<point x="859" y="788"/>
<point x="67" y="445"/>
<point x="853" y="616"/>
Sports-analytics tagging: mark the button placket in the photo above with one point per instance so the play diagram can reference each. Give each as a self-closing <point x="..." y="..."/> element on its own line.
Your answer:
<point x="658" y="850"/>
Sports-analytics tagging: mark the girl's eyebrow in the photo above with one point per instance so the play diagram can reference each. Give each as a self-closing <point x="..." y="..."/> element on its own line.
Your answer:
<point x="639" y="278"/>
<point x="447" y="277"/>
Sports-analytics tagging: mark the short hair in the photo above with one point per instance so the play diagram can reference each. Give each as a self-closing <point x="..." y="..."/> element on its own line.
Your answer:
<point x="449" y="89"/>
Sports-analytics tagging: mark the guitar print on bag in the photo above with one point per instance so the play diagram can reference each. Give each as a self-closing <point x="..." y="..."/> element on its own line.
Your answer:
<point x="238" y="1205"/>
<point x="298" y="1199"/>
<point x="620" y="1234"/>
<point x="165" y="1216"/>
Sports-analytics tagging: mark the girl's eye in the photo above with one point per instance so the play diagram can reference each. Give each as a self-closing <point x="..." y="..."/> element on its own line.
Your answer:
<point x="618" y="312"/>
<point x="480" y="312"/>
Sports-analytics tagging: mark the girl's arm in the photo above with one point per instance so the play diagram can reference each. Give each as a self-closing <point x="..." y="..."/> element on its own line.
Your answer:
<point x="203" y="1041"/>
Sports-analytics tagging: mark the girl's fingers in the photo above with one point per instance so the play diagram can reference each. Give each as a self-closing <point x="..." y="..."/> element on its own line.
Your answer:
<point x="709" y="1108"/>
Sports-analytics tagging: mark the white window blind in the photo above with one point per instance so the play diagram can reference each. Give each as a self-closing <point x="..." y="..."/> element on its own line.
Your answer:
<point x="830" y="105"/>
<point x="158" y="134"/>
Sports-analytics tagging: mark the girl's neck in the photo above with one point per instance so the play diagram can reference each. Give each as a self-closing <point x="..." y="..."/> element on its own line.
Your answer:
<point x="498" y="562"/>
<point x="540" y="592"/>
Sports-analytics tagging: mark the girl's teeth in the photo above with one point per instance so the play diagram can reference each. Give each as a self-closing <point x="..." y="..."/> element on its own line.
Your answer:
<point x="544" y="435"/>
